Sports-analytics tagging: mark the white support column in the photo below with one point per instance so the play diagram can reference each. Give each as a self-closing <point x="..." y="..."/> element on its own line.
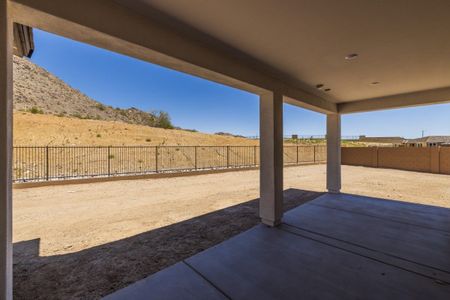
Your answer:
<point x="334" y="153"/>
<point x="6" y="96"/>
<point x="271" y="159"/>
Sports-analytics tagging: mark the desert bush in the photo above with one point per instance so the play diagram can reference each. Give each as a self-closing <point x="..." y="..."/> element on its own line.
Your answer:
<point x="162" y="120"/>
<point x="36" y="110"/>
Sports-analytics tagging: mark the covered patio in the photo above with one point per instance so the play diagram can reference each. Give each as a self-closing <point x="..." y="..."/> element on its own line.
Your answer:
<point x="338" y="246"/>
<point x="329" y="56"/>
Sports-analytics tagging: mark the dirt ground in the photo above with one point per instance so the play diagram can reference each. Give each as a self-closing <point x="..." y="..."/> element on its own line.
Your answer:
<point x="41" y="130"/>
<point x="85" y="241"/>
<point x="50" y="130"/>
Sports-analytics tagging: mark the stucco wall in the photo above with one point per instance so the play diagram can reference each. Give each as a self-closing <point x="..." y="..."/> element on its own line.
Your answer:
<point x="359" y="156"/>
<point x="444" y="164"/>
<point x="432" y="160"/>
<point x="413" y="159"/>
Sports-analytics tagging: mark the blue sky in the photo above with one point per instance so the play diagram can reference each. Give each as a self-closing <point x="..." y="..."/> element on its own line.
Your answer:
<point x="195" y="103"/>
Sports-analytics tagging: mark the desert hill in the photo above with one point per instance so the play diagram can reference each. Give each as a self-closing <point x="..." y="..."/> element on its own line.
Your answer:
<point x="42" y="129"/>
<point x="47" y="111"/>
<point x="37" y="90"/>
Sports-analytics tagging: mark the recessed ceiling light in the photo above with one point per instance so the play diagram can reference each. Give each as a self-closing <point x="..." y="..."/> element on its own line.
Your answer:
<point x="375" y="83"/>
<point x="319" y="86"/>
<point x="351" y="56"/>
<point x="327" y="90"/>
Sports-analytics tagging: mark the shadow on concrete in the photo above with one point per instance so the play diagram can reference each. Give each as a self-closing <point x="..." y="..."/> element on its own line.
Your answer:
<point x="100" y="270"/>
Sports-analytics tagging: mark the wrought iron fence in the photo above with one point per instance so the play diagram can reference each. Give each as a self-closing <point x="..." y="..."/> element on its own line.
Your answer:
<point x="64" y="162"/>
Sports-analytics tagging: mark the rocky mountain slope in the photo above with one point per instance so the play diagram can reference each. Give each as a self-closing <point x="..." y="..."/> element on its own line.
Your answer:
<point x="40" y="92"/>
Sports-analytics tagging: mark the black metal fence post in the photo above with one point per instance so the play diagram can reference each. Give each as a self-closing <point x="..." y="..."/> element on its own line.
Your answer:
<point x="109" y="160"/>
<point x="297" y="154"/>
<point x="195" y="157"/>
<point x="314" y="153"/>
<point x="228" y="156"/>
<point x="156" y="159"/>
<point x="46" y="164"/>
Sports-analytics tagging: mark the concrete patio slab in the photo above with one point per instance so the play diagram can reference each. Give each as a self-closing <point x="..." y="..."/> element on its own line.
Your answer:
<point x="403" y="239"/>
<point x="404" y="212"/>
<point x="266" y="263"/>
<point x="321" y="251"/>
<point x="176" y="282"/>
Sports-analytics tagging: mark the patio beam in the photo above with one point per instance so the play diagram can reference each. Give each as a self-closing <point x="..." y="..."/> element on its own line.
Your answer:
<point x="109" y="25"/>
<point x="333" y="153"/>
<point x="435" y="96"/>
<point x="6" y="96"/>
<point x="271" y="158"/>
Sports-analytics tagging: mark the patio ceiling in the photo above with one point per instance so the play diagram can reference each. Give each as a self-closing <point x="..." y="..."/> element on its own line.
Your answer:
<point x="290" y="46"/>
<point x="401" y="45"/>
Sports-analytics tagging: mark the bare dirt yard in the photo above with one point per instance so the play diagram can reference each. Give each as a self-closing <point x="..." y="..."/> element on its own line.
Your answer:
<point x="85" y="241"/>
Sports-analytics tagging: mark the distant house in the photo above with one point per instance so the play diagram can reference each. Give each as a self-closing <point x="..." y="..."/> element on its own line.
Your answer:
<point x="429" y="141"/>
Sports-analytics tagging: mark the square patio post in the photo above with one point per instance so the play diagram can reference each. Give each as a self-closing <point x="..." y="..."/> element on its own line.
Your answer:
<point x="271" y="158"/>
<point x="5" y="152"/>
<point x="334" y="153"/>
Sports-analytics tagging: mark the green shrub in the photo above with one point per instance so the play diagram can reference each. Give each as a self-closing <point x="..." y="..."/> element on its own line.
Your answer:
<point x="190" y="130"/>
<point x="36" y="110"/>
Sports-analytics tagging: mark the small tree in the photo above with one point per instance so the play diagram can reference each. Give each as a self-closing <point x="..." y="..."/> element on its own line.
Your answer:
<point x="162" y="119"/>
